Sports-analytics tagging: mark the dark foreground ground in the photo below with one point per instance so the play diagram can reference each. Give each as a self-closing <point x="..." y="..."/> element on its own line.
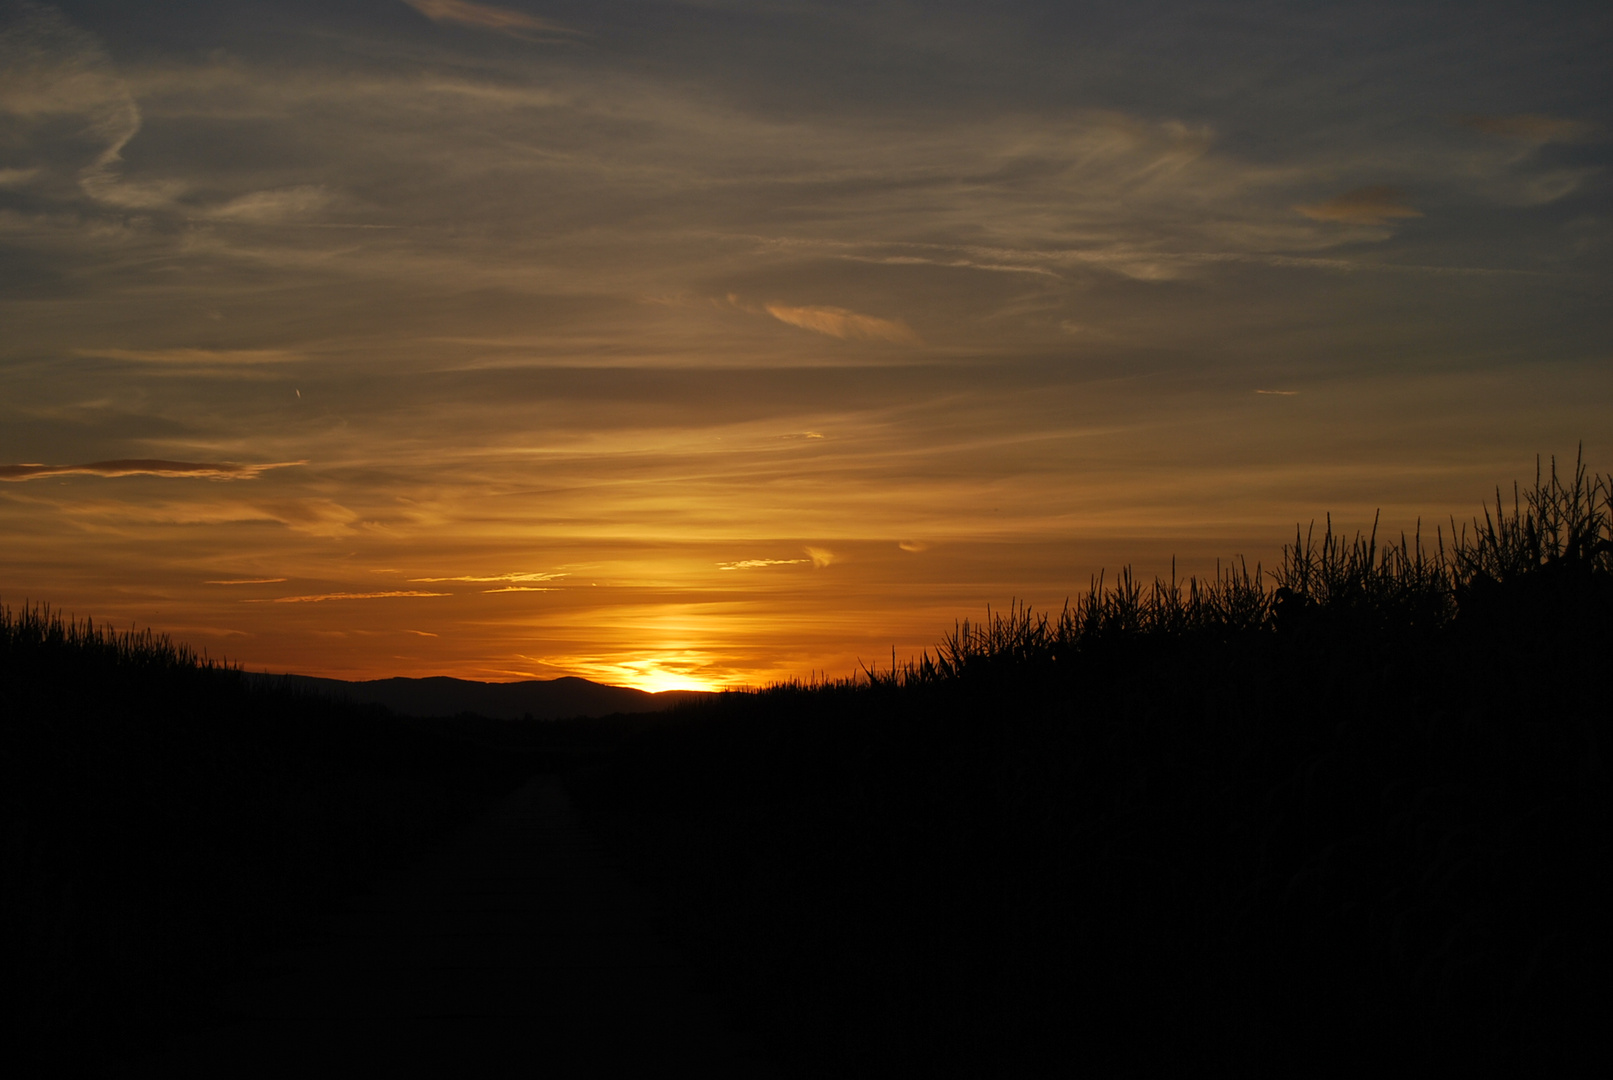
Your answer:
<point x="514" y="945"/>
<point x="1357" y="823"/>
<point x="1355" y="820"/>
<point x="205" y="875"/>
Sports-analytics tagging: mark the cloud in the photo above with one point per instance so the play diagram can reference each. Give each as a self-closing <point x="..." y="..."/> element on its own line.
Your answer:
<point x="271" y="207"/>
<point x="913" y="545"/>
<point x="1531" y="127"/>
<point x="1279" y="393"/>
<point x="1363" y="206"/>
<point x="486" y="17"/>
<point x="50" y="69"/>
<point x="144" y="467"/>
<point x="322" y="597"/>
<point x="491" y="577"/>
<point x="840" y="323"/>
<point x="756" y="564"/>
<point x="818" y="557"/>
<point x="247" y="581"/>
<point x="518" y="588"/>
<point x="312" y="517"/>
<point x="958" y="263"/>
<point x="16" y="177"/>
<point x="233" y="357"/>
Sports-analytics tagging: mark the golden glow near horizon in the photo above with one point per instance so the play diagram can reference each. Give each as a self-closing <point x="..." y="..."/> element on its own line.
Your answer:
<point x="686" y="346"/>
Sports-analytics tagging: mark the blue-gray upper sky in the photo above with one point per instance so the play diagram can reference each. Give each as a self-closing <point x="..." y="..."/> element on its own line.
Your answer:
<point x="685" y="343"/>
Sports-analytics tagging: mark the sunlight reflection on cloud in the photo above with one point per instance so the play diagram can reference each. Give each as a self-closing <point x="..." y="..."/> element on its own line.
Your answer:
<point x="840" y="323"/>
<point x="145" y="467"/>
<point x="320" y="598"/>
<point x="488" y="17"/>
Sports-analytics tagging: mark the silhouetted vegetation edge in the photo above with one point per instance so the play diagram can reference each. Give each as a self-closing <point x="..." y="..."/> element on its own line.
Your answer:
<point x="1347" y="813"/>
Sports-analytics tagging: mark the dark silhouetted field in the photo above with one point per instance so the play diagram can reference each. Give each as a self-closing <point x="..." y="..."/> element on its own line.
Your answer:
<point x="1349" y="816"/>
<point x="164" y="820"/>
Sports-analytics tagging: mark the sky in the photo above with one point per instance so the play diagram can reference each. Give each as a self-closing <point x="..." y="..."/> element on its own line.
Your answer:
<point x="697" y="343"/>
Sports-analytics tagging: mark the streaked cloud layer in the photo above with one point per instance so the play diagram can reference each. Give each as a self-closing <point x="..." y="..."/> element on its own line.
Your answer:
<point x="487" y="17"/>
<point x="1376" y="205"/>
<point x="840" y="323"/>
<point x="142" y="467"/>
<point x="320" y="598"/>
<point x="677" y="343"/>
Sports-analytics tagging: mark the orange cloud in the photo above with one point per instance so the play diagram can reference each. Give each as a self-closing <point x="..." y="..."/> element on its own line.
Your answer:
<point x="193" y="357"/>
<point x="1363" y="206"/>
<point x="503" y="20"/>
<point x="322" y="597"/>
<point x="840" y="323"/>
<point x="1530" y="127"/>
<point x="492" y="577"/>
<point x="143" y="467"/>
<point x="818" y="557"/>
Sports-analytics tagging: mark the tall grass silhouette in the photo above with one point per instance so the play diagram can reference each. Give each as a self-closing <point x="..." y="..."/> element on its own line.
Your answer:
<point x="1555" y="544"/>
<point x="1351" y="812"/>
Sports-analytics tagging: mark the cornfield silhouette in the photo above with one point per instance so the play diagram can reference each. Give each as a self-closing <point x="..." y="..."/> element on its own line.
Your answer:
<point x="1348" y="813"/>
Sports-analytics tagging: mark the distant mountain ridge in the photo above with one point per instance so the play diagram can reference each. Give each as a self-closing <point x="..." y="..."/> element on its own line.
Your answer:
<point x="541" y="699"/>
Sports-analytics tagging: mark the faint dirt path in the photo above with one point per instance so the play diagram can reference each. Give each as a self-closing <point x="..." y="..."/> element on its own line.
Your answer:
<point x="518" y="947"/>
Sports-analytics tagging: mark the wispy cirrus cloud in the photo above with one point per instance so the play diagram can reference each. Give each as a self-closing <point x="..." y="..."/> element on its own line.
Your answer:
<point x="52" y="72"/>
<point x="486" y="17"/>
<point x="193" y="357"/>
<point x="212" y="470"/>
<point x="481" y="578"/>
<point x="757" y="564"/>
<point x="817" y="556"/>
<point x="272" y="207"/>
<point x="320" y="598"/>
<point x="820" y="557"/>
<point x="1375" y="205"/>
<point x="247" y="581"/>
<point x="840" y="323"/>
<point x="1531" y="127"/>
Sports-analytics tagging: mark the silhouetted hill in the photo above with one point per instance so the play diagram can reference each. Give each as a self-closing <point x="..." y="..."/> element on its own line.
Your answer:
<point x="163" y="819"/>
<point x="542" y="699"/>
